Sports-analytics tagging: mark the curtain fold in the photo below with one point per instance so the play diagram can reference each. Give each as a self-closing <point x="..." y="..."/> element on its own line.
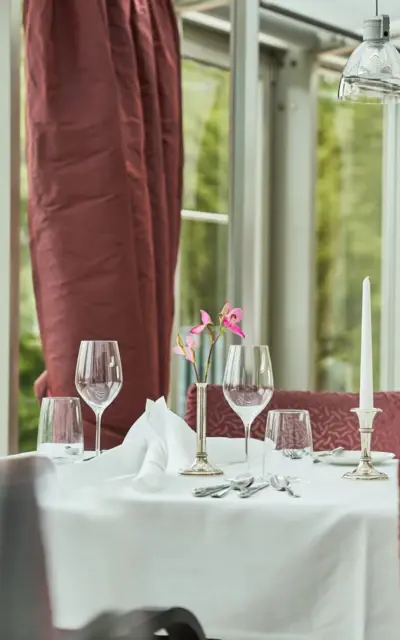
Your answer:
<point x="104" y="157"/>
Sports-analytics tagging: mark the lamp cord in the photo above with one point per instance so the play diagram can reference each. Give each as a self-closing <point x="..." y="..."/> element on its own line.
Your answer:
<point x="376" y="7"/>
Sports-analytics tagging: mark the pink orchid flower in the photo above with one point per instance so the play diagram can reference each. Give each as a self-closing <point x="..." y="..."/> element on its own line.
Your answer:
<point x="225" y="309"/>
<point x="231" y="319"/>
<point x="205" y="321"/>
<point x="187" y="349"/>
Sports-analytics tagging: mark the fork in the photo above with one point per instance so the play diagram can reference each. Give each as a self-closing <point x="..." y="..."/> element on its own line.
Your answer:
<point x="327" y="454"/>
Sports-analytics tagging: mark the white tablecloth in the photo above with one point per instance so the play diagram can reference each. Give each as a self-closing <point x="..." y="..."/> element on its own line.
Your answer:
<point x="323" y="567"/>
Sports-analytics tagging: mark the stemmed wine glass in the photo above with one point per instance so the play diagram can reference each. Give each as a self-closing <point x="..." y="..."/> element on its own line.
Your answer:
<point x="98" y="377"/>
<point x="248" y="384"/>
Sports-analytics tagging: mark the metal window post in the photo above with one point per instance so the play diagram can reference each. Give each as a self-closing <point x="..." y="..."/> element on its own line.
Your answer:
<point x="244" y="158"/>
<point x="293" y="263"/>
<point x="10" y="25"/>
<point x="390" y="307"/>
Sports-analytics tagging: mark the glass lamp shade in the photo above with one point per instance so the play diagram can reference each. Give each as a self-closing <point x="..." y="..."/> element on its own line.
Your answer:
<point x="372" y="73"/>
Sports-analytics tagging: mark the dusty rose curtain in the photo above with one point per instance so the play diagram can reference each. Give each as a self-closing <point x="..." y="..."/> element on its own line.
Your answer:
<point x="104" y="156"/>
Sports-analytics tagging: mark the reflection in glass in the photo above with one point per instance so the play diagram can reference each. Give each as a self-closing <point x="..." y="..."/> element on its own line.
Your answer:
<point x="349" y="219"/>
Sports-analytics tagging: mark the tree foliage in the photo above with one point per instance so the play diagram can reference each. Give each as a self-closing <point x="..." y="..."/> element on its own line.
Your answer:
<point x="30" y="351"/>
<point x="204" y="245"/>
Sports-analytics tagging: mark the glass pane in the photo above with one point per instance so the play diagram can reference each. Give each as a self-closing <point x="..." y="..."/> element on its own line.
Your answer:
<point x="349" y="219"/>
<point x="206" y="136"/>
<point x="203" y="284"/>
<point x="30" y="350"/>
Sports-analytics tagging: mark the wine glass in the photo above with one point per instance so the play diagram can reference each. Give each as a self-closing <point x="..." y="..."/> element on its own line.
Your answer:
<point x="248" y="384"/>
<point x="60" y="434"/>
<point x="98" y="377"/>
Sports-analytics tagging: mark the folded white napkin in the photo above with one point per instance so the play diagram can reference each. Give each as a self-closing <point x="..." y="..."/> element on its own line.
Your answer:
<point x="159" y="442"/>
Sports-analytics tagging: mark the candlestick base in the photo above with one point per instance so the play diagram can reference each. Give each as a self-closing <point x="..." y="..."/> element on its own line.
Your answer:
<point x="201" y="467"/>
<point x="365" y="469"/>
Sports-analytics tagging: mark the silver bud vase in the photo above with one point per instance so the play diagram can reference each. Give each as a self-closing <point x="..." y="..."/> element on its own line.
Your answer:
<point x="201" y="466"/>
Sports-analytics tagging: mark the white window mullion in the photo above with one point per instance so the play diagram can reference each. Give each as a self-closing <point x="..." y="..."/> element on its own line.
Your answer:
<point x="245" y="26"/>
<point x="10" y="25"/>
<point x="390" y="308"/>
<point x="293" y="264"/>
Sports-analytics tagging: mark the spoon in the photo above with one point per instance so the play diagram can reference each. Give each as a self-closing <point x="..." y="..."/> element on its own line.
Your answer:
<point x="325" y="454"/>
<point x="235" y="485"/>
<point x="280" y="483"/>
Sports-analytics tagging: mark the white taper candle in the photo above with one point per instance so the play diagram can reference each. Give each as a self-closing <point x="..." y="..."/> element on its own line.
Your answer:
<point x="366" y="364"/>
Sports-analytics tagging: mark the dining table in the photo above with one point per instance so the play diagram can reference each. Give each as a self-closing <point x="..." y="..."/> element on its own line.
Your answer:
<point x="324" y="566"/>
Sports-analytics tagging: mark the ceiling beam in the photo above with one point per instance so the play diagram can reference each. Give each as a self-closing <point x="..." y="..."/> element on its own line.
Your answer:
<point x="309" y="21"/>
<point x="182" y="6"/>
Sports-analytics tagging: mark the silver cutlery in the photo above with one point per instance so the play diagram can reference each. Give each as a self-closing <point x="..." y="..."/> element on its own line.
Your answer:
<point x="236" y="485"/>
<point x="280" y="483"/>
<point x="326" y="454"/>
<point x="203" y="492"/>
<point x="250" y="491"/>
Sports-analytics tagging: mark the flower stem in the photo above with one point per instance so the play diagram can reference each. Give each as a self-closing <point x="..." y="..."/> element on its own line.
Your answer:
<point x="210" y="356"/>
<point x="196" y="372"/>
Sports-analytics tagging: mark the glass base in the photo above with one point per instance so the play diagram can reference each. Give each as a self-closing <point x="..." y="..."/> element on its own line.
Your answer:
<point x="201" y="467"/>
<point x="365" y="471"/>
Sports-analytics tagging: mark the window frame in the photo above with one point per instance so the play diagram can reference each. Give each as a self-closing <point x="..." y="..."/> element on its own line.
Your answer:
<point x="390" y="279"/>
<point x="208" y="47"/>
<point x="10" y="27"/>
<point x="293" y="224"/>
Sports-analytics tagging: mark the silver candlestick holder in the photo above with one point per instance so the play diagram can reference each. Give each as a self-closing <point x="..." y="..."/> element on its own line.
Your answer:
<point x="365" y="469"/>
<point x="201" y="465"/>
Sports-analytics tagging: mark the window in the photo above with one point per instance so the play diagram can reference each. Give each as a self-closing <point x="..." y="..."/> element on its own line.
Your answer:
<point x="349" y="221"/>
<point x="206" y="135"/>
<point x="202" y="276"/>
<point x="30" y="350"/>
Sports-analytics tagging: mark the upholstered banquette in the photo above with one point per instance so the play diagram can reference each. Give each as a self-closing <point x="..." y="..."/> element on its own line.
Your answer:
<point x="333" y="424"/>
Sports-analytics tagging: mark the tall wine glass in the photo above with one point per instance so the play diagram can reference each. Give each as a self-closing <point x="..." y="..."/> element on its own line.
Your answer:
<point x="248" y="384"/>
<point x="98" y="377"/>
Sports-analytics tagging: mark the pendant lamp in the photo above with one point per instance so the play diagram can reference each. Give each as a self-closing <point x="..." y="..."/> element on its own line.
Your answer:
<point x="372" y="73"/>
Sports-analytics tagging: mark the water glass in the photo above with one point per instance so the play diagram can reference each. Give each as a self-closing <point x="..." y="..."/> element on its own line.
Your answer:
<point x="98" y="377"/>
<point x="60" y="434"/>
<point x="289" y="433"/>
<point x="248" y="384"/>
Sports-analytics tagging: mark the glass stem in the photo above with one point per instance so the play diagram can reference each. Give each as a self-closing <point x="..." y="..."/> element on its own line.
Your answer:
<point x="98" y="432"/>
<point x="247" y="428"/>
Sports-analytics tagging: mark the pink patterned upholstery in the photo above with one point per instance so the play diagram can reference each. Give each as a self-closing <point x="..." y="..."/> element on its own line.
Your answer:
<point x="332" y="423"/>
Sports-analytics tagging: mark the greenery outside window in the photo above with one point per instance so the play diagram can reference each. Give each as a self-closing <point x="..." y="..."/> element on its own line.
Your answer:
<point x="349" y="233"/>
